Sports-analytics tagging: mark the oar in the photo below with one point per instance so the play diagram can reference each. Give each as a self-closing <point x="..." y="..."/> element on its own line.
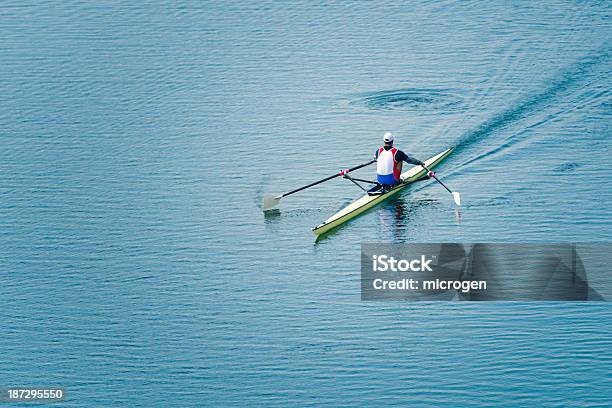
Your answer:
<point x="456" y="195"/>
<point x="270" y="202"/>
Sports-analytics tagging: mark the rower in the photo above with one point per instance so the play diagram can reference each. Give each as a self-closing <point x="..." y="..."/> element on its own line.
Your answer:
<point x="389" y="165"/>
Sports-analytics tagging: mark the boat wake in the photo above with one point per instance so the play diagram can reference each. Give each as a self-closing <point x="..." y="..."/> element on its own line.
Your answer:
<point x="568" y="90"/>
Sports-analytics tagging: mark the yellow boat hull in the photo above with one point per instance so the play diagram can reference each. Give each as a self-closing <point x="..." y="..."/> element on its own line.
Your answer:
<point x="366" y="202"/>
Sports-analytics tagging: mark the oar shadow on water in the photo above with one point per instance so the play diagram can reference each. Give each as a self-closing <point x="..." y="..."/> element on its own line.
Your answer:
<point x="272" y="215"/>
<point x="273" y="219"/>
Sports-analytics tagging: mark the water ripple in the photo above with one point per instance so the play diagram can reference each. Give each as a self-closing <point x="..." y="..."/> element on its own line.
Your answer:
<point x="411" y="100"/>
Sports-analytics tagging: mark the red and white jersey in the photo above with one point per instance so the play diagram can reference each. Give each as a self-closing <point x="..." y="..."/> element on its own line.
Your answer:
<point x="387" y="164"/>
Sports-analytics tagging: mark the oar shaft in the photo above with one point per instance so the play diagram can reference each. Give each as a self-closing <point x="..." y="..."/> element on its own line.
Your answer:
<point x="354" y="182"/>
<point x="438" y="180"/>
<point x="363" y="180"/>
<point x="443" y="185"/>
<point x="325" y="179"/>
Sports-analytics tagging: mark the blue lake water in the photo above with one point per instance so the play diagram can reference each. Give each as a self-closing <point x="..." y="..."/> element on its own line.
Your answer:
<point x="138" y="140"/>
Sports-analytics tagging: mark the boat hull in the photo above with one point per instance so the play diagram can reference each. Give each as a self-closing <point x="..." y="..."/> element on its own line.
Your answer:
<point x="366" y="202"/>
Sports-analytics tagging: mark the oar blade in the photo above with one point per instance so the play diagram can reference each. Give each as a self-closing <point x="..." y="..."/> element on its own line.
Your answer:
<point x="270" y="202"/>
<point x="457" y="197"/>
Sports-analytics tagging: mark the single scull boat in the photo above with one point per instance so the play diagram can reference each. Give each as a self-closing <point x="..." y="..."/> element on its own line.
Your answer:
<point x="368" y="201"/>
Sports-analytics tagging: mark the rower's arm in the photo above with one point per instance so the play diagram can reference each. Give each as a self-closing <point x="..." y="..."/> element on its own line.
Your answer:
<point x="401" y="156"/>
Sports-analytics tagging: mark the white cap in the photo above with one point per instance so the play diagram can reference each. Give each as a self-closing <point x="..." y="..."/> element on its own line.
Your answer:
<point x="388" y="137"/>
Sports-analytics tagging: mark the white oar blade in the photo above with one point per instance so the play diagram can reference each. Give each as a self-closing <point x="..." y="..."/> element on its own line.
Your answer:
<point x="270" y="202"/>
<point x="457" y="198"/>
